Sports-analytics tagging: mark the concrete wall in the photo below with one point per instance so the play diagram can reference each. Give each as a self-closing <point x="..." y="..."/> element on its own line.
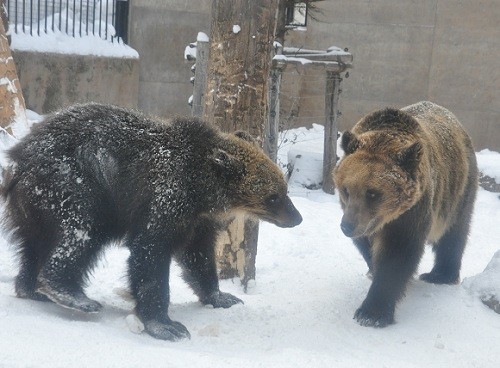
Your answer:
<point x="51" y="81"/>
<point x="160" y="30"/>
<point x="404" y="51"/>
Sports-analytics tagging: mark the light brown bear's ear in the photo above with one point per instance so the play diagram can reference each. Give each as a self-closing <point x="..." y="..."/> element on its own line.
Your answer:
<point x="349" y="142"/>
<point x="247" y="137"/>
<point x="227" y="164"/>
<point x="409" y="158"/>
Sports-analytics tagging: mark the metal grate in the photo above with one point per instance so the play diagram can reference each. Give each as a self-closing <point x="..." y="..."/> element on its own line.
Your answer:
<point x="106" y="18"/>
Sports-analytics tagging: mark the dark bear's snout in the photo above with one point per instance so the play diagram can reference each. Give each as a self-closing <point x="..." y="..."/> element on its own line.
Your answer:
<point x="292" y="215"/>
<point x="282" y="212"/>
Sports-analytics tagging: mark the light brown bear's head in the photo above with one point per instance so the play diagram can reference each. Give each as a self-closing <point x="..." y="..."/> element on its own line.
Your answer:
<point x="377" y="180"/>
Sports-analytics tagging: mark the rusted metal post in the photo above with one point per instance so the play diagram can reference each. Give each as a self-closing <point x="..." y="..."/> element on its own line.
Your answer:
<point x="330" y="142"/>
<point x="200" y="77"/>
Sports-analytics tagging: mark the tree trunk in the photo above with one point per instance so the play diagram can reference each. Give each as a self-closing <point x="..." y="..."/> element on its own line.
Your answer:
<point x="13" y="110"/>
<point x="236" y="98"/>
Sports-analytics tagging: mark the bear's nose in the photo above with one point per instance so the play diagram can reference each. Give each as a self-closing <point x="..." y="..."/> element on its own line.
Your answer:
<point x="347" y="228"/>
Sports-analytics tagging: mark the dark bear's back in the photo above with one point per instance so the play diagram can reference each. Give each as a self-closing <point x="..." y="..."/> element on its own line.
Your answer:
<point x="115" y="164"/>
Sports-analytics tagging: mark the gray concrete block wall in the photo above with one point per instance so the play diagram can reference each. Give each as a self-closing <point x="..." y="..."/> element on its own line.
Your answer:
<point x="51" y="81"/>
<point x="404" y="51"/>
<point x="160" y="30"/>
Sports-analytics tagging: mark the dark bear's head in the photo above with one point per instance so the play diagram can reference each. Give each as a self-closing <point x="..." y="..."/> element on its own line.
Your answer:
<point x="377" y="180"/>
<point x="256" y="184"/>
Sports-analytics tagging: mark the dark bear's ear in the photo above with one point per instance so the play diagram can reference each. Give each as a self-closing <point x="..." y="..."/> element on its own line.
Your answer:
<point x="227" y="164"/>
<point x="247" y="137"/>
<point x="409" y="158"/>
<point x="349" y="142"/>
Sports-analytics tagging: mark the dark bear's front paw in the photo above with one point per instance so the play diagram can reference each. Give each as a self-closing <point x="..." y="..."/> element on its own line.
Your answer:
<point x="170" y="330"/>
<point x="221" y="300"/>
<point x="373" y="318"/>
<point x="440" y="278"/>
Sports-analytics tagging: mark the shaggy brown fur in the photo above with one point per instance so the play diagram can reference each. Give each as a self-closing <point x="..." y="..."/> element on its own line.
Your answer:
<point x="408" y="177"/>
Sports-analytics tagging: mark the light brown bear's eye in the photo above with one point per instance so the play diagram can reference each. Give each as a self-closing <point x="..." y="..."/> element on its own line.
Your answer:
<point x="372" y="195"/>
<point x="345" y="191"/>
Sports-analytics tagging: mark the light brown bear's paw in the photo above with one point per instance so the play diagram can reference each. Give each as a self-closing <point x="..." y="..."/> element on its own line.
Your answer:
<point x="440" y="278"/>
<point x="373" y="318"/>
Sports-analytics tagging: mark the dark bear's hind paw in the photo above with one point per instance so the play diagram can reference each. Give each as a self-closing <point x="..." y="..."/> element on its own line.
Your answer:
<point x="440" y="278"/>
<point x="369" y="318"/>
<point x="171" y="330"/>
<point x="221" y="300"/>
<point x="24" y="293"/>
<point x="72" y="300"/>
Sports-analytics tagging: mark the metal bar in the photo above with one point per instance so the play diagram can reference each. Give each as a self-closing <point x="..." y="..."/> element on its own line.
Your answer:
<point x="81" y="15"/>
<point x="67" y="18"/>
<point x="53" y="13"/>
<point x="60" y="15"/>
<point x="100" y="18"/>
<point x="15" y="25"/>
<point x="46" y="11"/>
<point x="31" y="17"/>
<point x="87" y="23"/>
<point x="106" y="26"/>
<point x="113" y="19"/>
<point x="121" y="20"/>
<point x="38" y="19"/>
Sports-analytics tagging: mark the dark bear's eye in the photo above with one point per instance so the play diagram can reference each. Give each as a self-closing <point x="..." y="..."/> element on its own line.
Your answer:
<point x="372" y="195"/>
<point x="273" y="199"/>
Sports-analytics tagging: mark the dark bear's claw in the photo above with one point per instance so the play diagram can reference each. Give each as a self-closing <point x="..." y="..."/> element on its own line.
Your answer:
<point x="221" y="300"/>
<point x="368" y="318"/>
<point x="171" y="330"/>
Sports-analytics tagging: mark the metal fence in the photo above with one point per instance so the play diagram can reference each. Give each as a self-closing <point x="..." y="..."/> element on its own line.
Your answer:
<point x="107" y="19"/>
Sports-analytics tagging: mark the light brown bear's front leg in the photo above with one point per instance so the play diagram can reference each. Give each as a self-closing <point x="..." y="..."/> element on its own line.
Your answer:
<point x="397" y="250"/>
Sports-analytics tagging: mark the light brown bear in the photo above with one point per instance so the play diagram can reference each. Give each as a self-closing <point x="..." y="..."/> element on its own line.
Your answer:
<point x="409" y="176"/>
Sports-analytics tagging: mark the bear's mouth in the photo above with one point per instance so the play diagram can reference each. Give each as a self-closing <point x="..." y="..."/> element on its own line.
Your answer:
<point x="371" y="228"/>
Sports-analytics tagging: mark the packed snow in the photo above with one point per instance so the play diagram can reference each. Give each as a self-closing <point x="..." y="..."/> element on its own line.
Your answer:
<point x="297" y="313"/>
<point x="488" y="161"/>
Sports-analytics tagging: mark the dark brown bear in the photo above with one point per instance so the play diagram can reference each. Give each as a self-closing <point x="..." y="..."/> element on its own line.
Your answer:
<point x="92" y="174"/>
<point x="408" y="177"/>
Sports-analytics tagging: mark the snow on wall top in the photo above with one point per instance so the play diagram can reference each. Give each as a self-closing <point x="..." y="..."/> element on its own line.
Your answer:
<point x="61" y="43"/>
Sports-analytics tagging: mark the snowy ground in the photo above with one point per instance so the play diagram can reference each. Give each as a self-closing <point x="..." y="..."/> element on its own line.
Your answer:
<point x="298" y="313"/>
